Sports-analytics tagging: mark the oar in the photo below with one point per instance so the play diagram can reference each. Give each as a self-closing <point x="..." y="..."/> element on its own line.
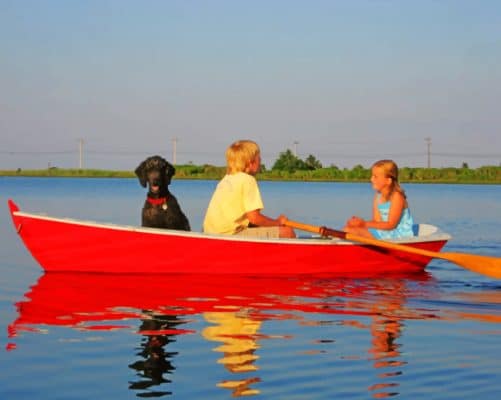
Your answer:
<point x="485" y="265"/>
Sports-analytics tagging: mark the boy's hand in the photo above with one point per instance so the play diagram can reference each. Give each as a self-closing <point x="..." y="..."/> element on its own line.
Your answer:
<point x="282" y="219"/>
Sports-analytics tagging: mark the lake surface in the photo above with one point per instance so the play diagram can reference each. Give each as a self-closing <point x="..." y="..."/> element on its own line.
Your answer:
<point x="435" y="335"/>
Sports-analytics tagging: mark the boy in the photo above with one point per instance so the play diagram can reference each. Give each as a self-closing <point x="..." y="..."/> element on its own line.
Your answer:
<point x="235" y="207"/>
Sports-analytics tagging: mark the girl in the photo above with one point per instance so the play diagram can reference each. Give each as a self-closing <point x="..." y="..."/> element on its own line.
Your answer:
<point x="391" y="218"/>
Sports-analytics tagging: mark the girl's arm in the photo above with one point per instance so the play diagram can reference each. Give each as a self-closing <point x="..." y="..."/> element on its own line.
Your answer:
<point x="375" y="210"/>
<point x="397" y="205"/>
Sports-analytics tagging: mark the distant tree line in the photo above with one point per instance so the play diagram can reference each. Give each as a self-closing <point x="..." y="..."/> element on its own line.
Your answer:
<point x="290" y="167"/>
<point x="489" y="174"/>
<point x="289" y="162"/>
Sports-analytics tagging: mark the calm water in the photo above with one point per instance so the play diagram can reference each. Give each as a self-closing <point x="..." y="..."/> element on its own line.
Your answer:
<point x="432" y="336"/>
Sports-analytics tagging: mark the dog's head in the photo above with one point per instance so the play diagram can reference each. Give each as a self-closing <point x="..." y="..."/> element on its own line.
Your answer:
<point x="156" y="172"/>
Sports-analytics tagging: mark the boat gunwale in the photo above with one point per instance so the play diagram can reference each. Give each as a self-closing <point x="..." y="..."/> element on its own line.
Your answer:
<point x="437" y="235"/>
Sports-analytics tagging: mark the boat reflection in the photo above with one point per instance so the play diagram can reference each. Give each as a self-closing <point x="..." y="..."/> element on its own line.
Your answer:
<point x="233" y="310"/>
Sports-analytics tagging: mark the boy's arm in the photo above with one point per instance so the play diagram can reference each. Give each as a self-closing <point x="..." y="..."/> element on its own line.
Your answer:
<point x="256" y="218"/>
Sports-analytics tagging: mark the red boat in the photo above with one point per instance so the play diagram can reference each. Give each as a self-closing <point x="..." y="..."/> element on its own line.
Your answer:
<point x="63" y="244"/>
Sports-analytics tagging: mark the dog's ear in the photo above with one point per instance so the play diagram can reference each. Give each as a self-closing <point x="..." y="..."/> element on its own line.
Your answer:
<point x="141" y="173"/>
<point x="169" y="172"/>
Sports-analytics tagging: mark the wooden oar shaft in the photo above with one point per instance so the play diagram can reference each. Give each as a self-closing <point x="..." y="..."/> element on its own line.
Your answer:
<point x="388" y="245"/>
<point x="489" y="266"/>
<point x="304" y="227"/>
<point x="324" y="231"/>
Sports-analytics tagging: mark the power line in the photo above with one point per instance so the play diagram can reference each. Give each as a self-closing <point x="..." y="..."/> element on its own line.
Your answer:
<point x="216" y="152"/>
<point x="37" y="152"/>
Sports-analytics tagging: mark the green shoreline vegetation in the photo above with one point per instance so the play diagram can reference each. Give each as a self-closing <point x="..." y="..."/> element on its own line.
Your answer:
<point x="289" y="167"/>
<point x="482" y="175"/>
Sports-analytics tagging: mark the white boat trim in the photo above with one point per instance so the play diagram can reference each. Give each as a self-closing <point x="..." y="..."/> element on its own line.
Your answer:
<point x="430" y="233"/>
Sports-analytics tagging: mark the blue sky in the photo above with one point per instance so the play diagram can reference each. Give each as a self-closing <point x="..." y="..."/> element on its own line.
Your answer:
<point x="349" y="81"/>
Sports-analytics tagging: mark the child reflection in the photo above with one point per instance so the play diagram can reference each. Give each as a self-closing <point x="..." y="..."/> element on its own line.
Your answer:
<point x="386" y="328"/>
<point x="155" y="361"/>
<point x="237" y="332"/>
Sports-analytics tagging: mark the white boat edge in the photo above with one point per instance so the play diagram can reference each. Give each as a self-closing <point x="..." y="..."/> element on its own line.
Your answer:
<point x="426" y="232"/>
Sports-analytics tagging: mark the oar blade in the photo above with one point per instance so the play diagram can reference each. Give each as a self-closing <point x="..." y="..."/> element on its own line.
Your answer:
<point x="485" y="265"/>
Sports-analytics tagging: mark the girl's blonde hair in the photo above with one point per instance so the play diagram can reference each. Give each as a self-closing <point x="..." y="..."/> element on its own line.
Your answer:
<point x="240" y="154"/>
<point x="390" y="170"/>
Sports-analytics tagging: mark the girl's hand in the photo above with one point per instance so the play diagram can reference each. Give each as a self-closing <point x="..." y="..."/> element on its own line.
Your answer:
<point x="355" y="222"/>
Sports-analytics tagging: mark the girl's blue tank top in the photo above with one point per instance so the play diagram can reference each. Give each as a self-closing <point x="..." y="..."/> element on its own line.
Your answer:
<point x="402" y="230"/>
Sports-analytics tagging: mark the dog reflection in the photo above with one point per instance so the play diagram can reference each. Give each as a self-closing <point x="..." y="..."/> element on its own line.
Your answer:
<point x="155" y="361"/>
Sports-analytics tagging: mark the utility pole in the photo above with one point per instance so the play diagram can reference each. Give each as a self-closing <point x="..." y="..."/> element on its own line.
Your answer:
<point x="80" y="151"/>
<point x="428" y="145"/>
<point x="174" y="150"/>
<point x="295" y="147"/>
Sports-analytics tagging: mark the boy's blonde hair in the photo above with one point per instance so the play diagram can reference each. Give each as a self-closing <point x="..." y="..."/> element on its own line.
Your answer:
<point x="390" y="170"/>
<point x="240" y="154"/>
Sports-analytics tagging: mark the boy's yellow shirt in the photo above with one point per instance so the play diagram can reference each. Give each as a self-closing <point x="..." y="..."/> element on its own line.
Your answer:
<point x="235" y="195"/>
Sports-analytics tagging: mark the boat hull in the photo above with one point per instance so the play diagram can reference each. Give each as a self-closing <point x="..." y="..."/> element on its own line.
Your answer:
<point x="82" y="246"/>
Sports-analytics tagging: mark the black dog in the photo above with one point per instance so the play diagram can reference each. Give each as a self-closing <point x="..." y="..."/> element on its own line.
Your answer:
<point x="161" y="209"/>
